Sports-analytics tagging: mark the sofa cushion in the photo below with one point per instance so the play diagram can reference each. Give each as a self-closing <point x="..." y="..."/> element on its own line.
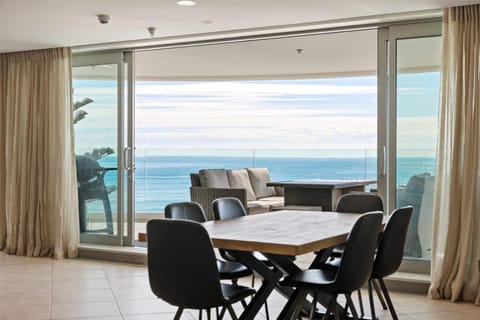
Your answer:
<point x="256" y="208"/>
<point x="264" y="204"/>
<point x="258" y="179"/>
<point x="213" y="178"/>
<point x="239" y="179"/>
<point x="273" y="202"/>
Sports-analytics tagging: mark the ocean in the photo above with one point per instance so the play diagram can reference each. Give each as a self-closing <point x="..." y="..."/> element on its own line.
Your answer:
<point x="160" y="180"/>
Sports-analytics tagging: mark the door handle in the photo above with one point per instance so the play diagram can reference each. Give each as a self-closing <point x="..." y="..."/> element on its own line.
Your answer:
<point x="126" y="163"/>
<point x="383" y="170"/>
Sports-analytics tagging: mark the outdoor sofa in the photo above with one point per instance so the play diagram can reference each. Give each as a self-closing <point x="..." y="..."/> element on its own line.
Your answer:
<point x="248" y="185"/>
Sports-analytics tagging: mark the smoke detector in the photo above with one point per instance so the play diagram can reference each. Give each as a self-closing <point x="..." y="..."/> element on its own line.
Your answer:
<point x="103" y="18"/>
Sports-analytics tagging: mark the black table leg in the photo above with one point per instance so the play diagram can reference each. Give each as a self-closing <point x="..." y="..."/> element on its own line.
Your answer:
<point x="295" y="298"/>
<point x="283" y="265"/>
<point x="270" y="279"/>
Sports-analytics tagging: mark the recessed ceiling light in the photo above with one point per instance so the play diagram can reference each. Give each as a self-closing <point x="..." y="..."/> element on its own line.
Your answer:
<point x="186" y="3"/>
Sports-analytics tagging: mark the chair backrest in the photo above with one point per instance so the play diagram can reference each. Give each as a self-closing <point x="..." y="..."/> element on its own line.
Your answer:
<point x="192" y="211"/>
<point x="195" y="180"/>
<point x="357" y="259"/>
<point x="359" y="203"/>
<point x="228" y="208"/>
<point x="88" y="169"/>
<point x="392" y="243"/>
<point x="182" y="267"/>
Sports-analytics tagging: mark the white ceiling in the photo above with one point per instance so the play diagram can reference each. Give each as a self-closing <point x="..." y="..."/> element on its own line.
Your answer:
<point x="343" y="54"/>
<point x="326" y="55"/>
<point x="34" y="24"/>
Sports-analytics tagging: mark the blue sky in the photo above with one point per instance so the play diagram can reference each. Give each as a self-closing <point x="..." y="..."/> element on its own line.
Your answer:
<point x="339" y="113"/>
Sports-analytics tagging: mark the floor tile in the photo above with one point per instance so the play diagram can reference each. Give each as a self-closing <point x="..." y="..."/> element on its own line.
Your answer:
<point x="30" y="312"/>
<point x="160" y="316"/>
<point x="129" y="282"/>
<point x="80" y="284"/>
<point x="66" y="274"/>
<point x="76" y="296"/>
<point x="84" y="310"/>
<point x="27" y="298"/>
<point x="126" y="293"/>
<point x="136" y="307"/>
<point x="44" y="288"/>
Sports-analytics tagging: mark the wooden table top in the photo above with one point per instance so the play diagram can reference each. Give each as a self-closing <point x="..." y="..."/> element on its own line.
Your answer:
<point x="282" y="232"/>
<point x="321" y="183"/>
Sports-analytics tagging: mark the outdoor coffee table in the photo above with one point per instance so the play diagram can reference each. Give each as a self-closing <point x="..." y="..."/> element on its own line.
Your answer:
<point x="322" y="193"/>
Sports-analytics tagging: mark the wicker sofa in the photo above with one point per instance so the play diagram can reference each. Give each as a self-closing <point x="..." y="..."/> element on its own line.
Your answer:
<point x="248" y="185"/>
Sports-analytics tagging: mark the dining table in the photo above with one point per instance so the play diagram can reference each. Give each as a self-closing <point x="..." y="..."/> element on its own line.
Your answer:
<point x="279" y="236"/>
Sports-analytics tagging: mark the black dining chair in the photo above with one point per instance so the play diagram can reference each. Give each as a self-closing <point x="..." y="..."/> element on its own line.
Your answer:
<point x="182" y="268"/>
<point x="358" y="202"/>
<point x="193" y="211"/>
<point x="230" y="208"/>
<point x="353" y="271"/>
<point x="390" y="254"/>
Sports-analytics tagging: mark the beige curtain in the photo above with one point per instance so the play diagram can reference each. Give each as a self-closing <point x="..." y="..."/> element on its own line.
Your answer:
<point x="456" y="226"/>
<point x="38" y="194"/>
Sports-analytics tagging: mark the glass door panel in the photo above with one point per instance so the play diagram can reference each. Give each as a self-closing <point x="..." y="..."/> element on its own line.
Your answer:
<point x="417" y="92"/>
<point x="98" y="91"/>
<point x="409" y="90"/>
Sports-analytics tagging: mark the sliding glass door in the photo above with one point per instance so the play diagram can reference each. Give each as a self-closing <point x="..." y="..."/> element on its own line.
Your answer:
<point x="103" y="147"/>
<point x="408" y="143"/>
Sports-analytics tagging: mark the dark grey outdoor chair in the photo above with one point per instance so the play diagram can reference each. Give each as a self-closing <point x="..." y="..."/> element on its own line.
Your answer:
<point x="91" y="186"/>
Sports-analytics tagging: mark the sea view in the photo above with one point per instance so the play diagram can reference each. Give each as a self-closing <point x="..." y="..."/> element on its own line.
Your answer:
<point x="160" y="180"/>
<point x="297" y="128"/>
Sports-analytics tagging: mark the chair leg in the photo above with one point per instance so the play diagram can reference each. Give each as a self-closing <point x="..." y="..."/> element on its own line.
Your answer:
<point x="379" y="294"/>
<point x="108" y="212"/>
<point x="360" y="302"/>
<point x="302" y="294"/>
<point x="178" y="314"/>
<point x="387" y="297"/>
<point x="244" y="304"/>
<point x="336" y="313"/>
<point x="232" y="312"/>
<point x="314" y="304"/>
<point x="350" y="304"/>
<point x="222" y="313"/>
<point x="331" y="304"/>
<point x="267" y="315"/>
<point x="370" y="297"/>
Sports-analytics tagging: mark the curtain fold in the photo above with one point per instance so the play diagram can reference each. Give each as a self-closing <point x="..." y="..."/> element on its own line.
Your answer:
<point x="456" y="223"/>
<point x="38" y="193"/>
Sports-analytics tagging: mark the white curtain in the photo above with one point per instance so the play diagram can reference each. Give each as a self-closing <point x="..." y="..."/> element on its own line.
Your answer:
<point x="38" y="192"/>
<point x="456" y="226"/>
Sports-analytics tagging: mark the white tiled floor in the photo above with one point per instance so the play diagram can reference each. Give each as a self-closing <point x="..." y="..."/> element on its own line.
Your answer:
<point x="43" y="288"/>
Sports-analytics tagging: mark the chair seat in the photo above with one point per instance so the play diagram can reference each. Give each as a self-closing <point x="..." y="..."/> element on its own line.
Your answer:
<point x="332" y="265"/>
<point x="312" y="279"/>
<point x="234" y="293"/>
<point x="229" y="270"/>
